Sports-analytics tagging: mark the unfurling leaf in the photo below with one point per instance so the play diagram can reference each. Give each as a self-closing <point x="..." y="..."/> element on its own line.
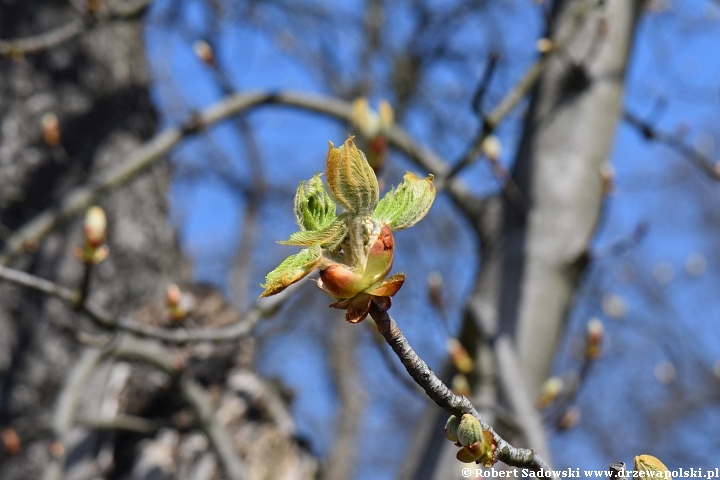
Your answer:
<point x="95" y="226"/>
<point x="652" y="467"/>
<point x="408" y="204"/>
<point x="451" y="428"/>
<point x="291" y="270"/>
<point x="351" y="180"/>
<point x="329" y="237"/>
<point x="380" y="255"/>
<point x="314" y="209"/>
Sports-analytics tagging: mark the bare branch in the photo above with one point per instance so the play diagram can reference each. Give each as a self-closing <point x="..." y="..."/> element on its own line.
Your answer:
<point x="198" y="399"/>
<point x="39" y="284"/>
<point x="445" y="398"/>
<point x="344" y="369"/>
<point x="127" y="423"/>
<point x="63" y="418"/>
<point x="43" y="41"/>
<point x="64" y="33"/>
<point x="241" y="328"/>
<point x="522" y="88"/>
<point x="649" y="132"/>
<point x="142" y="158"/>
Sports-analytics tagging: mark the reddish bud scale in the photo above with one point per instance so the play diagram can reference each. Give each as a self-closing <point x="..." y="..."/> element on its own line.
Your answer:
<point x="377" y="149"/>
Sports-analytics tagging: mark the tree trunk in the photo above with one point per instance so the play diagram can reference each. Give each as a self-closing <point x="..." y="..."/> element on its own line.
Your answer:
<point x="532" y="259"/>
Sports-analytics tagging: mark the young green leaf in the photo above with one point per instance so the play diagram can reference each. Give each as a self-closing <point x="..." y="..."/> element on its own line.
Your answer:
<point x="314" y="209"/>
<point x="351" y="180"/>
<point x="329" y="237"/>
<point x="408" y="204"/>
<point x="291" y="270"/>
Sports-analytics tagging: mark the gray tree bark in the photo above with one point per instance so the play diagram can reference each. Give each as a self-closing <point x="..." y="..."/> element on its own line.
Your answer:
<point x="96" y="85"/>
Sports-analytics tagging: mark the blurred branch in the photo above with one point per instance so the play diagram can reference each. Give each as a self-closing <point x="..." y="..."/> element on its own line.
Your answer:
<point x="39" y="284"/>
<point x="142" y="158"/>
<point x="649" y="132"/>
<point x="221" y="443"/>
<point x="484" y="84"/>
<point x="67" y="403"/>
<point x="522" y="88"/>
<point x="127" y="423"/>
<point x="265" y="307"/>
<point x="344" y="369"/>
<point x="151" y="354"/>
<point x="43" y="41"/>
<point x="445" y="398"/>
<point x="74" y="28"/>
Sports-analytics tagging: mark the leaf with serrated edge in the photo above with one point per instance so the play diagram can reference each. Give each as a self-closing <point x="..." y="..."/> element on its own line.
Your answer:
<point x="350" y="179"/>
<point x="314" y="208"/>
<point x="406" y="205"/>
<point x="330" y="237"/>
<point x="292" y="269"/>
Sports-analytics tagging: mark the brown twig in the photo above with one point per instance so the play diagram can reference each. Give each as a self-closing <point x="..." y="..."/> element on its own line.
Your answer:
<point x="74" y="28"/>
<point x="649" y="132"/>
<point x="109" y="321"/>
<point x="126" y="423"/>
<point x="153" y="354"/>
<point x="142" y="158"/>
<point x="63" y="418"/>
<point x="521" y="88"/>
<point x="445" y="398"/>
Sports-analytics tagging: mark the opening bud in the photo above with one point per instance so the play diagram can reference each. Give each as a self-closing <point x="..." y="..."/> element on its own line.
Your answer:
<point x="95" y="226"/>
<point x="204" y="52"/>
<point x="451" y="428"/>
<point x="550" y="390"/>
<point x="51" y="129"/>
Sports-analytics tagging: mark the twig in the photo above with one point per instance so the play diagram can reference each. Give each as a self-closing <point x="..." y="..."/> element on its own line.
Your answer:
<point x="649" y="132"/>
<point x="150" y="152"/>
<point x="152" y="354"/>
<point x="127" y="423"/>
<point x="67" y="403"/>
<point x="105" y="319"/>
<point x="85" y="284"/>
<point x="222" y="444"/>
<point x="43" y="41"/>
<point x="39" y="284"/>
<point x="343" y="366"/>
<point x="521" y="88"/>
<point x="445" y="398"/>
<point x="74" y="28"/>
<point x="484" y="83"/>
<point x="510" y="376"/>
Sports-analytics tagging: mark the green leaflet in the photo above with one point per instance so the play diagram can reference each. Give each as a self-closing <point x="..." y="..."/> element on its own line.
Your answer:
<point x="291" y="270"/>
<point x="350" y="179"/>
<point x="314" y="209"/>
<point x="408" y="204"/>
<point x="329" y="237"/>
